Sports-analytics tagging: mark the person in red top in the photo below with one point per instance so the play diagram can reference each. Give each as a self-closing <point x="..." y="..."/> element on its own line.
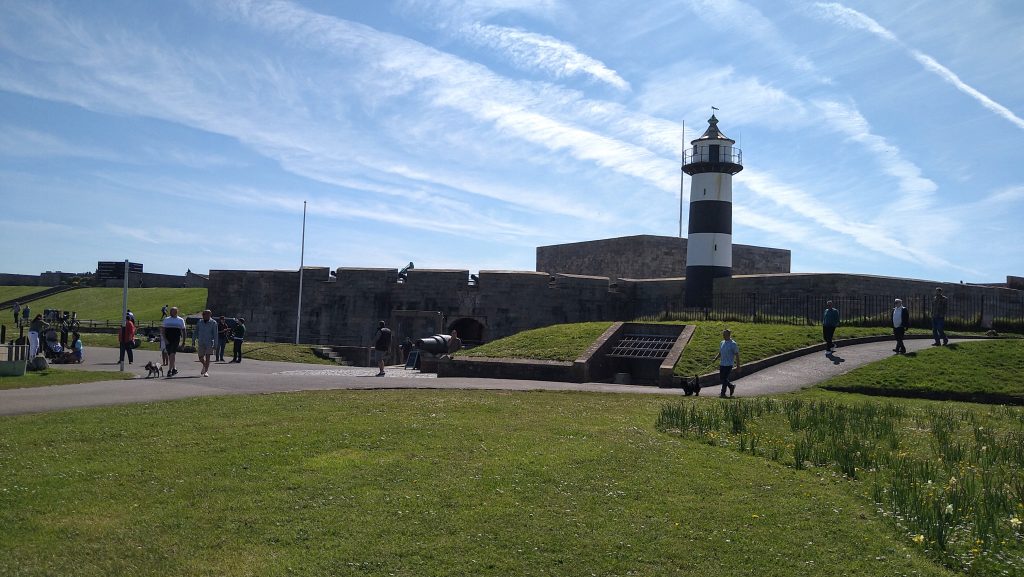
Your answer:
<point x="126" y="338"/>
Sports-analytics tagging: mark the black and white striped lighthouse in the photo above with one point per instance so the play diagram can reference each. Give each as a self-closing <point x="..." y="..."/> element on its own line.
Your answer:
<point x="710" y="163"/>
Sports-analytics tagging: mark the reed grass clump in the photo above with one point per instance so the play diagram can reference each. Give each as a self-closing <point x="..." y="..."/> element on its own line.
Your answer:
<point x="950" y="478"/>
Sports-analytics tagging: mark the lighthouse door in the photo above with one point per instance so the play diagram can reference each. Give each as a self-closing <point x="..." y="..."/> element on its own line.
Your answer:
<point x="713" y="153"/>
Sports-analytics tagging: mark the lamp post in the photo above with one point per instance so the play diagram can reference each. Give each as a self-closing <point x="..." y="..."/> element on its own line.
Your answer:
<point x="302" y="262"/>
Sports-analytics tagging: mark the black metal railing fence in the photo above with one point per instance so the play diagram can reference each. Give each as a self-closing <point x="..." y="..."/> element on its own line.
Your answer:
<point x="965" y="312"/>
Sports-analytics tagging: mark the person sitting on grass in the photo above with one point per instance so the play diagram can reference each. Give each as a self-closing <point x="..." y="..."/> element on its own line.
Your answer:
<point x="78" y="351"/>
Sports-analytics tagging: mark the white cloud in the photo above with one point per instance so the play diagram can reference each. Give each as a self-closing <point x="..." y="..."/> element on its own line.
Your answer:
<point x="734" y="15"/>
<point x="746" y="99"/>
<point x="853" y="19"/>
<point x="532" y="51"/>
<point x="916" y="191"/>
<point x="157" y="235"/>
<point x="16" y="141"/>
<point x="874" y="237"/>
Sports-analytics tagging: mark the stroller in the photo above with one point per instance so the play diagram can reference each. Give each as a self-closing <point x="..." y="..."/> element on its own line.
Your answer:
<point x="51" y="346"/>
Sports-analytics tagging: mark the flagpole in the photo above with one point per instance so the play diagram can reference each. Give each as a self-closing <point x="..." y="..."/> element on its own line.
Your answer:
<point x="682" y="179"/>
<point x="302" y="262"/>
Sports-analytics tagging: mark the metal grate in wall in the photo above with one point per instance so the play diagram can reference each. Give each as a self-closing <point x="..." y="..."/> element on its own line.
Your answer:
<point x="643" y="347"/>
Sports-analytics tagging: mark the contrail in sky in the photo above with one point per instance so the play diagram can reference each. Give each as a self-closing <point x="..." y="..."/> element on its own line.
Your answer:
<point x="857" y="20"/>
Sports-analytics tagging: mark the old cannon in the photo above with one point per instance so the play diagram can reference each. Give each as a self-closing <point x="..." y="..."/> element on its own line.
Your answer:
<point x="435" y="345"/>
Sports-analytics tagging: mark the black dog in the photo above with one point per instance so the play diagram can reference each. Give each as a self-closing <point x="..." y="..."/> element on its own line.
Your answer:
<point x="154" y="370"/>
<point x="691" y="386"/>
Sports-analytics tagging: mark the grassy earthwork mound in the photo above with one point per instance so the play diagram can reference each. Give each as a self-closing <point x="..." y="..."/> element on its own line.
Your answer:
<point x="12" y="292"/>
<point x="990" y="371"/>
<point x="105" y="303"/>
<point x="757" y="341"/>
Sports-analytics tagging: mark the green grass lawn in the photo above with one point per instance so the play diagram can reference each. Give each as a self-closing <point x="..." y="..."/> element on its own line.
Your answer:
<point x="415" y="483"/>
<point x="55" y="376"/>
<point x="554" y="343"/>
<point x="14" y="291"/>
<point x="105" y="303"/>
<point x="968" y="370"/>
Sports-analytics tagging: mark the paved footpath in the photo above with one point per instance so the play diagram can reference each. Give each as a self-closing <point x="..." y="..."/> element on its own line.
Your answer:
<point x="256" y="377"/>
<point x="814" y="368"/>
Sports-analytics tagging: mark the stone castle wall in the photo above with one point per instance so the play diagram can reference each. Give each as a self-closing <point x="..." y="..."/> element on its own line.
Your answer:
<point x="649" y="257"/>
<point x="147" y="280"/>
<point x="154" y="280"/>
<point x="21" y="280"/>
<point x="344" y="310"/>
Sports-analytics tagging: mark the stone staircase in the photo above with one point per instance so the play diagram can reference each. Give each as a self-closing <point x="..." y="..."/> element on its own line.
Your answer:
<point x="346" y="356"/>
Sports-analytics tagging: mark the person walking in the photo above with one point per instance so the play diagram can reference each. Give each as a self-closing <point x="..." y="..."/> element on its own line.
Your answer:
<point x="35" y="329"/>
<point x="172" y="330"/>
<point x="829" y="322"/>
<point x="381" y="344"/>
<point x="17" y="310"/>
<point x="238" y="336"/>
<point x="126" y="340"/>
<point x="26" y="312"/>
<point x="65" y="328"/>
<point x="206" y="340"/>
<point x="223" y="334"/>
<point x="940" y="304"/>
<point x="729" y="353"/>
<point x="163" y="311"/>
<point x="900" y="322"/>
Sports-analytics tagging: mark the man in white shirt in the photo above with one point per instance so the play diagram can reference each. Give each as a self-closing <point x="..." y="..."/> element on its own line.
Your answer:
<point x="900" y="322"/>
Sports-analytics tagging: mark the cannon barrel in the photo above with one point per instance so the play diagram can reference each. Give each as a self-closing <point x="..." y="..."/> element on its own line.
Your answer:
<point x="436" y="345"/>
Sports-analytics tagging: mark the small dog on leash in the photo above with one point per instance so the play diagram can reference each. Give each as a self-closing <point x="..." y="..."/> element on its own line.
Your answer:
<point x="154" y="369"/>
<point x="691" y="387"/>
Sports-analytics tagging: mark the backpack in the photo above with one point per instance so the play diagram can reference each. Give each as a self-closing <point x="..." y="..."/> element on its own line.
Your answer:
<point x="384" y="340"/>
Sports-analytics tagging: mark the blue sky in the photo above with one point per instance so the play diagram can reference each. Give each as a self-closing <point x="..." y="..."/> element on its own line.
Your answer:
<point x="878" y="137"/>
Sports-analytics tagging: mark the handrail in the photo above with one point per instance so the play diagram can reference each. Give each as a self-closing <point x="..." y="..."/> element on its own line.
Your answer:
<point x="726" y="154"/>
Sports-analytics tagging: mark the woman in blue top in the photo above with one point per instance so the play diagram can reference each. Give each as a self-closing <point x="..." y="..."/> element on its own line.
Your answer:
<point x="76" y="345"/>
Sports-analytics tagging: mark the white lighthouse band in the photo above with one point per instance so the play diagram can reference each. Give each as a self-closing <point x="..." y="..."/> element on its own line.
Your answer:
<point x="710" y="163"/>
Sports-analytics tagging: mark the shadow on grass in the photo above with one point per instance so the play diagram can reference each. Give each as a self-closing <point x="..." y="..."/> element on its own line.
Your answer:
<point x="982" y="398"/>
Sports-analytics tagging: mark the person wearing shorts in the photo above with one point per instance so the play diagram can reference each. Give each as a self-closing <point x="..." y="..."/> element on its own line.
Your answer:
<point x="381" y="345"/>
<point x="206" y="340"/>
<point x="172" y="330"/>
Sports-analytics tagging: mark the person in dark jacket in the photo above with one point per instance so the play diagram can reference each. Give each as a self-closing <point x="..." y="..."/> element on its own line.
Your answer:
<point x="900" y="322"/>
<point x="238" y="336"/>
<point x="940" y="304"/>
<point x="223" y="334"/>
<point x="829" y="322"/>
